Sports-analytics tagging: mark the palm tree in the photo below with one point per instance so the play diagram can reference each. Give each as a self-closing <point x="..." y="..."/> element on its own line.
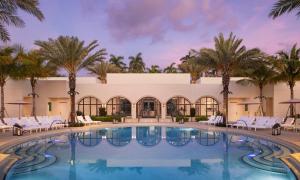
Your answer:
<point x="101" y="69"/>
<point x="171" y="68"/>
<point x="7" y="66"/>
<point x="34" y="66"/>
<point x="259" y="75"/>
<point x="118" y="62"/>
<point x="72" y="55"/>
<point x="285" y="6"/>
<point x="193" y="67"/>
<point x="9" y="14"/>
<point x="154" y="69"/>
<point x="228" y="56"/>
<point x="288" y="68"/>
<point x="136" y="64"/>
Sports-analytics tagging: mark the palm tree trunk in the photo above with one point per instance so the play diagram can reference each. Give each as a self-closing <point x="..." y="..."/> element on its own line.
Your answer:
<point x="292" y="108"/>
<point x="261" y="99"/>
<point x="2" y="109"/>
<point x="225" y="82"/>
<point x="33" y="93"/>
<point x="72" y="93"/>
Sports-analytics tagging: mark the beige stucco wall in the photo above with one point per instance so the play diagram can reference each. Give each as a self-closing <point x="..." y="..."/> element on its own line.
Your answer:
<point x="136" y="86"/>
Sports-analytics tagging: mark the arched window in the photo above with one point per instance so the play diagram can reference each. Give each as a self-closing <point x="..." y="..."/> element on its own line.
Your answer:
<point x="178" y="105"/>
<point x="118" y="105"/>
<point x="206" y="106"/>
<point x="89" y="106"/>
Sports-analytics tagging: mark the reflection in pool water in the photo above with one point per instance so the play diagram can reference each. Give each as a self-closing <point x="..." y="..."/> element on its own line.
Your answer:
<point x="118" y="136"/>
<point x="202" y="154"/>
<point x="148" y="136"/>
<point x="178" y="136"/>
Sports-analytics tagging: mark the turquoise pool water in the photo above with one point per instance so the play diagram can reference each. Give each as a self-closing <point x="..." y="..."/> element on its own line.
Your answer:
<point x="160" y="153"/>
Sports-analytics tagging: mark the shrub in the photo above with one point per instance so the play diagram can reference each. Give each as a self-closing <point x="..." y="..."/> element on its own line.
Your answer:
<point x="185" y="118"/>
<point x="106" y="118"/>
<point x="77" y="124"/>
<point x="79" y="113"/>
<point x="201" y="118"/>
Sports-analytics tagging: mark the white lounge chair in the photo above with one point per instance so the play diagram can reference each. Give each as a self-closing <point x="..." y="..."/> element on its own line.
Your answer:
<point x="289" y="123"/>
<point x="4" y="127"/>
<point x="260" y="123"/>
<point x="243" y="122"/>
<point x="297" y="124"/>
<point x="81" y="119"/>
<point x="217" y="120"/>
<point x="210" y="120"/>
<point x="88" y="119"/>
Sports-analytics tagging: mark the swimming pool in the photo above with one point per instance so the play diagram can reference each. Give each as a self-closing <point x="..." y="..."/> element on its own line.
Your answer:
<point x="149" y="152"/>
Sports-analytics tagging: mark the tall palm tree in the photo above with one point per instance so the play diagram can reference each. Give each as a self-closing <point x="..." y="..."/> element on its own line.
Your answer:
<point x="118" y="62"/>
<point x="71" y="54"/>
<point x="193" y="67"/>
<point x="136" y="64"/>
<point x="7" y="64"/>
<point x="171" y="68"/>
<point x="259" y="75"/>
<point x="9" y="14"/>
<point x="227" y="56"/>
<point x="288" y="68"/>
<point x="285" y="6"/>
<point x="154" y="69"/>
<point x="101" y="69"/>
<point x="34" y="66"/>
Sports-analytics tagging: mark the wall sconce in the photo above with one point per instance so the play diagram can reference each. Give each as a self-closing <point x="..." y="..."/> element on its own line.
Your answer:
<point x="163" y="105"/>
<point x="133" y="105"/>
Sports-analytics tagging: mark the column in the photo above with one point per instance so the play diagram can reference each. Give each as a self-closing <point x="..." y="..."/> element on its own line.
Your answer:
<point x="133" y="111"/>
<point x="163" y="111"/>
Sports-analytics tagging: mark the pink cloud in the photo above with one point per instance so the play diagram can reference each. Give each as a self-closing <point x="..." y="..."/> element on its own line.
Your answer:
<point x="153" y="18"/>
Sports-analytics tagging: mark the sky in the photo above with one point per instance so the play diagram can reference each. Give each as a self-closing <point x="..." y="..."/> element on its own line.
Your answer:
<point x="162" y="30"/>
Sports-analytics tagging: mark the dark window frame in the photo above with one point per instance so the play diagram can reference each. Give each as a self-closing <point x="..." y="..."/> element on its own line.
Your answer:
<point x="199" y="104"/>
<point x="89" y="105"/>
<point x="186" y="103"/>
<point x="111" y="103"/>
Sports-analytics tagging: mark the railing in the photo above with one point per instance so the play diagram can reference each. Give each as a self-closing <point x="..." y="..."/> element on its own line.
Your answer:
<point x="62" y="122"/>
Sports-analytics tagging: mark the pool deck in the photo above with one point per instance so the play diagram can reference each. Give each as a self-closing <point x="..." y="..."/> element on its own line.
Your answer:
<point x="290" y="138"/>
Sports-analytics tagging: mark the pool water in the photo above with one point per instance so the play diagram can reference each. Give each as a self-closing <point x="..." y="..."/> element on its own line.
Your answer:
<point x="152" y="152"/>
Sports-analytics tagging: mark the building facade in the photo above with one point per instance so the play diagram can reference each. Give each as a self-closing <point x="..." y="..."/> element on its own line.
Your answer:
<point x="145" y="97"/>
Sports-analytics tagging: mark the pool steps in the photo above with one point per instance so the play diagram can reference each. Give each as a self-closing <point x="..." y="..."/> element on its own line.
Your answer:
<point x="34" y="157"/>
<point x="267" y="158"/>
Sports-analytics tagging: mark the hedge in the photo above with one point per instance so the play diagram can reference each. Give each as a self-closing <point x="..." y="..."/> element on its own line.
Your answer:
<point x="185" y="118"/>
<point x="105" y="118"/>
<point x="201" y="118"/>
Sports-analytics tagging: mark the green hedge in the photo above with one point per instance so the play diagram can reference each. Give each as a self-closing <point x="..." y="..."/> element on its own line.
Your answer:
<point x="77" y="124"/>
<point x="201" y="118"/>
<point x="185" y="118"/>
<point x="105" y="118"/>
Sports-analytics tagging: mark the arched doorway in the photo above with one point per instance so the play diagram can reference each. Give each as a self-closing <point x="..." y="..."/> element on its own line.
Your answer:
<point x="148" y="107"/>
<point x="178" y="106"/>
<point x="206" y="106"/>
<point x="89" y="106"/>
<point x="118" y="105"/>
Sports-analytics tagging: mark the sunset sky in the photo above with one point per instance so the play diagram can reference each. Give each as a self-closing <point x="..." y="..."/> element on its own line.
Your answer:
<point x="163" y="30"/>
